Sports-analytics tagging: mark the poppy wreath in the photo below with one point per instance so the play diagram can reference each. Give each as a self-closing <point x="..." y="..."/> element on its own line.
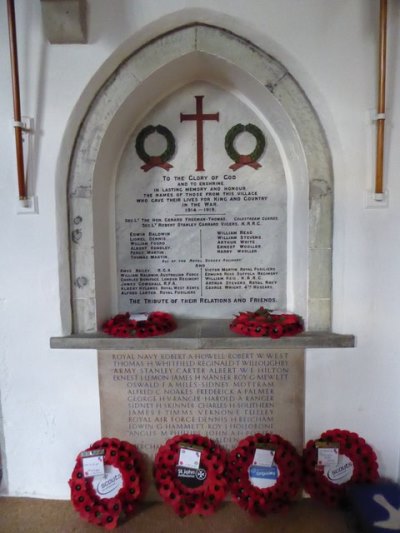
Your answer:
<point x="157" y="323"/>
<point x="184" y="500"/>
<point x="262" y="323"/>
<point x="261" y="501"/>
<point x="357" y="464"/>
<point x="123" y="483"/>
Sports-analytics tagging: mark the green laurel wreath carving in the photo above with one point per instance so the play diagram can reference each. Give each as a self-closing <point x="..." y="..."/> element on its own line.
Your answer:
<point x="235" y="131"/>
<point x="162" y="130"/>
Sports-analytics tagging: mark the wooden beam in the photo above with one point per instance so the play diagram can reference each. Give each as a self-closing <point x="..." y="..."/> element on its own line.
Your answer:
<point x="381" y="98"/>
<point x="18" y="126"/>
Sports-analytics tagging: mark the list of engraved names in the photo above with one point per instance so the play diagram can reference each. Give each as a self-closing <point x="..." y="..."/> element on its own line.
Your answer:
<point x="200" y="240"/>
<point x="147" y="397"/>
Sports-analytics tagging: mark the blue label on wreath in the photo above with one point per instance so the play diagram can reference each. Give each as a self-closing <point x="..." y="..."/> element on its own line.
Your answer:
<point x="263" y="476"/>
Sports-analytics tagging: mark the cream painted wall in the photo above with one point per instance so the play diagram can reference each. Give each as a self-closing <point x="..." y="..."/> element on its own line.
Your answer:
<point x="49" y="398"/>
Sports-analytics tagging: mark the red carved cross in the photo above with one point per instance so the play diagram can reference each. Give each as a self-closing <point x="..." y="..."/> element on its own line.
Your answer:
<point x="200" y="117"/>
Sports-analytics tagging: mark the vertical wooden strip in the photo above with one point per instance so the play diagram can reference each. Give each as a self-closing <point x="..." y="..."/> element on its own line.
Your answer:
<point x="16" y="99"/>
<point x="381" y="98"/>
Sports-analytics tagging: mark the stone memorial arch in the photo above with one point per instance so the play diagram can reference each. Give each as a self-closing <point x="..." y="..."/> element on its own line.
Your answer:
<point x="199" y="57"/>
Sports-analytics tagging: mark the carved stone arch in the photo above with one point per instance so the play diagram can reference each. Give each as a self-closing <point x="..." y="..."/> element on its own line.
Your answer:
<point x="197" y="52"/>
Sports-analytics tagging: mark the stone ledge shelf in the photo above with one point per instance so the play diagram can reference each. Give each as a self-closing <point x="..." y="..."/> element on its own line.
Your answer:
<point x="202" y="334"/>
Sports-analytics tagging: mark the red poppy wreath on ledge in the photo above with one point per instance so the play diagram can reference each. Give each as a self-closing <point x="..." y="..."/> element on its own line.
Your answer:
<point x="263" y="486"/>
<point x="262" y="323"/>
<point x="356" y="463"/>
<point x="191" y="488"/>
<point x="124" y="325"/>
<point x="103" y="499"/>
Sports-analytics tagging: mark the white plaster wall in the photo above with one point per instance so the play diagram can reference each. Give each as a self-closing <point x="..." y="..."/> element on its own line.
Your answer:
<point x="49" y="398"/>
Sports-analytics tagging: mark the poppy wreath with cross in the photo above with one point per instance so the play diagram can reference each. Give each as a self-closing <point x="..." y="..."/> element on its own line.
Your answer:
<point x="104" y="501"/>
<point x="185" y="500"/>
<point x="282" y="490"/>
<point x="357" y="463"/>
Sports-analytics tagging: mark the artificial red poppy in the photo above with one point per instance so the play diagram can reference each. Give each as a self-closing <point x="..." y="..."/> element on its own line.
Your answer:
<point x="212" y="485"/>
<point x="157" y="323"/>
<point x="121" y="487"/>
<point x="284" y="475"/>
<point x="263" y="323"/>
<point x="357" y="463"/>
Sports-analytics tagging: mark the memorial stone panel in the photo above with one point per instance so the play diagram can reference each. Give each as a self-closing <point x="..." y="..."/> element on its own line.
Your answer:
<point x="146" y="397"/>
<point x="198" y="233"/>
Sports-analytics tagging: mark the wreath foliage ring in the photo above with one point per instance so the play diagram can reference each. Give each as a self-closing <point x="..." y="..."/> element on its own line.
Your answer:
<point x="359" y="454"/>
<point x="259" y="501"/>
<point x="234" y="132"/>
<point x="123" y="457"/>
<point x="184" y="500"/>
<point x="149" y="130"/>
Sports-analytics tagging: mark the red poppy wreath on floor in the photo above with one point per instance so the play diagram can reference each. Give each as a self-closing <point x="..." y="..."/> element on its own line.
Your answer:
<point x="157" y="323"/>
<point x="102" y="500"/>
<point x="262" y="323"/>
<point x="262" y="488"/>
<point x="356" y="463"/>
<point x="191" y="490"/>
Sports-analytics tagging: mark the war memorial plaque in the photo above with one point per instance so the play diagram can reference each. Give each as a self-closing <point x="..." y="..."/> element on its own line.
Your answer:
<point x="201" y="209"/>
<point x="148" y="397"/>
<point x="201" y="232"/>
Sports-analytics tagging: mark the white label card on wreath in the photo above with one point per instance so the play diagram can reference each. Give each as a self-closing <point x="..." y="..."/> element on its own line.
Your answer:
<point x="328" y="454"/>
<point x="189" y="458"/>
<point x="139" y="317"/>
<point x="93" y="463"/>
<point x="263" y="457"/>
